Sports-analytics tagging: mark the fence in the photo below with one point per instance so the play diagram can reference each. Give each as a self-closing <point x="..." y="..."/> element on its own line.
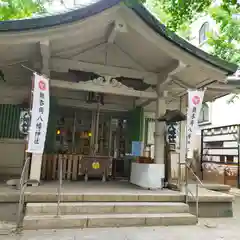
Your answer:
<point x="70" y="162"/>
<point x="71" y="166"/>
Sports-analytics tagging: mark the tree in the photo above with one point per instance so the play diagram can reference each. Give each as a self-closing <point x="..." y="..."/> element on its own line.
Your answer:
<point x="18" y="9"/>
<point x="179" y="14"/>
<point x="227" y="44"/>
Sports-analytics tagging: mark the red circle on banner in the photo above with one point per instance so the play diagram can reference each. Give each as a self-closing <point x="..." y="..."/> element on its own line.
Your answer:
<point x="42" y="85"/>
<point x="196" y="100"/>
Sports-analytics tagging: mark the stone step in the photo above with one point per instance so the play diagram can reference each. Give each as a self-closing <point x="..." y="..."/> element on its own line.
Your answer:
<point x="106" y="208"/>
<point x="106" y="197"/>
<point x="107" y="220"/>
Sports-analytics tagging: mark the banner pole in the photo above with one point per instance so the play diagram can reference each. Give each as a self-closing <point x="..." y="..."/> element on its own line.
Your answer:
<point x="186" y="178"/>
<point x="60" y="183"/>
<point x="60" y="158"/>
<point x="194" y="104"/>
<point x="186" y="153"/>
<point x="180" y="146"/>
<point x="27" y="156"/>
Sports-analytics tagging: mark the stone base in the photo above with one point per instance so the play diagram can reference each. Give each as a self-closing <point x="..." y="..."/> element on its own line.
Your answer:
<point x="148" y="176"/>
<point x="217" y="187"/>
<point x="8" y="212"/>
<point x="212" y="209"/>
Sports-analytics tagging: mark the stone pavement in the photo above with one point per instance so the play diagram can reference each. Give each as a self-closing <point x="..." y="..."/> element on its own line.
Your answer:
<point x="214" y="229"/>
<point x="211" y="231"/>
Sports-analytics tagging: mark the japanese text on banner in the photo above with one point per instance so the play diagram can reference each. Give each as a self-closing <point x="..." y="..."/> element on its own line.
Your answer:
<point x="195" y="99"/>
<point x="40" y="113"/>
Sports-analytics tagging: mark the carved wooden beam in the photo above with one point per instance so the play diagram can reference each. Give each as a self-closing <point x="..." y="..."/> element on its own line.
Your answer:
<point x="63" y="65"/>
<point x="104" y="85"/>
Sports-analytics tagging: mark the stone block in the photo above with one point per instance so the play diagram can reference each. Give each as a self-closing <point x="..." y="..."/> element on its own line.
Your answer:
<point x="170" y="219"/>
<point x="54" y="222"/>
<point x="100" y="197"/>
<point x="161" y="198"/>
<point x="212" y="209"/>
<point x="151" y="207"/>
<point x="116" y="220"/>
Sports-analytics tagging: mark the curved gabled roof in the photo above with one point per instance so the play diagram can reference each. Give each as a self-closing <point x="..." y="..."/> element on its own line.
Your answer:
<point x="100" y="6"/>
<point x="55" y="20"/>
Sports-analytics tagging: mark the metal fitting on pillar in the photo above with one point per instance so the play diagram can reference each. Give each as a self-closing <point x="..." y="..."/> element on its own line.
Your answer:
<point x="157" y="134"/>
<point x="165" y="94"/>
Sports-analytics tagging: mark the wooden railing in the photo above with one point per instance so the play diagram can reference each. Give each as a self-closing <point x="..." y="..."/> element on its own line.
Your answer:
<point x="71" y="166"/>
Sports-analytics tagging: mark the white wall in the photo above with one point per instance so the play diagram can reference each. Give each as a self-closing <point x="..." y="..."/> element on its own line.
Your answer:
<point x="224" y="113"/>
<point x="196" y="26"/>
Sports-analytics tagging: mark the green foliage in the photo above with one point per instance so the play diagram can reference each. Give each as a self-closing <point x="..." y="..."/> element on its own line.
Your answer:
<point x="18" y="9"/>
<point x="227" y="44"/>
<point x="181" y="13"/>
<point x="165" y="17"/>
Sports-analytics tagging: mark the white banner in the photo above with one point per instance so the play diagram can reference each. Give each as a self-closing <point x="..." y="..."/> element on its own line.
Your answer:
<point x="195" y="99"/>
<point x="39" y="115"/>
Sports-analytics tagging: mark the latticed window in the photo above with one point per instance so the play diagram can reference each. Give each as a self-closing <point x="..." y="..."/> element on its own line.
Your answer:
<point x="149" y="130"/>
<point x="9" y="121"/>
<point x="203" y="32"/>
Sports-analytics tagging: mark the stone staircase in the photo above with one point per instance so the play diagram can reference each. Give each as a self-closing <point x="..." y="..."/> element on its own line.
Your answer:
<point x="89" y="213"/>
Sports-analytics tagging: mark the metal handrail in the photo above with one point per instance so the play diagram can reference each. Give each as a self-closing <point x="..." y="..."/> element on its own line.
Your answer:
<point x="22" y="200"/>
<point x="197" y="178"/>
<point x="22" y="186"/>
<point x="199" y="182"/>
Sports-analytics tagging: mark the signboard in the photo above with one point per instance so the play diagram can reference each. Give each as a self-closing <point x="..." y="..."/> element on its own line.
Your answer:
<point x="24" y="122"/>
<point x="137" y="148"/>
<point x="93" y="97"/>
<point x="173" y="135"/>
<point x="40" y="112"/>
<point x="195" y="99"/>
